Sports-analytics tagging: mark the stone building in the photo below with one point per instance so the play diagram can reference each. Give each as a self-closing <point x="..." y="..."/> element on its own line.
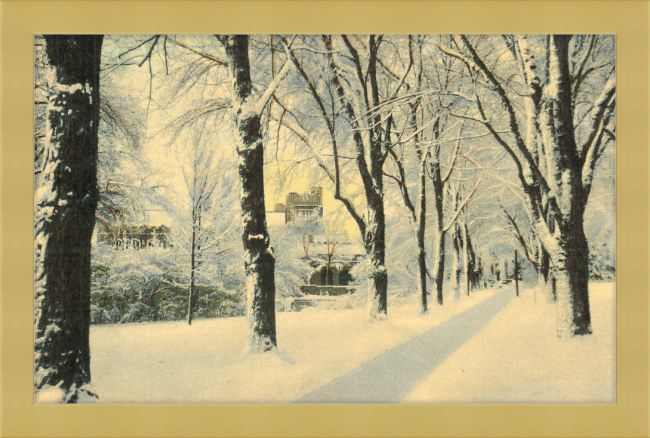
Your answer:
<point x="298" y="207"/>
<point x="134" y="236"/>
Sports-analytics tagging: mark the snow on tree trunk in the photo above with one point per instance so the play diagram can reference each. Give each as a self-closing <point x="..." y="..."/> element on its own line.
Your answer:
<point x="457" y="266"/>
<point x="374" y="187"/>
<point x="439" y="273"/>
<point x="372" y="179"/>
<point x="541" y="279"/>
<point x="258" y="258"/>
<point x="544" y="276"/>
<point x="465" y="270"/>
<point x="569" y="253"/>
<point x="66" y="200"/>
<point x="422" y="265"/>
<point x="558" y="188"/>
<point x="439" y="246"/>
<point x="378" y="277"/>
<point x="422" y="221"/>
<point x="570" y="270"/>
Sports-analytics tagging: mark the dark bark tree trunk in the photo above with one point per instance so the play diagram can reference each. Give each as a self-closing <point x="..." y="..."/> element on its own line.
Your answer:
<point x="421" y="222"/>
<point x="375" y="239"/>
<point x="457" y="281"/>
<point x="375" y="243"/>
<point x="66" y="201"/>
<point x="418" y="218"/>
<point x="570" y="267"/>
<point x="561" y="183"/>
<point x="545" y="282"/>
<point x="469" y="260"/>
<point x="422" y="256"/>
<point x="258" y="259"/>
<point x="439" y="272"/>
<point x="569" y="254"/>
<point x="439" y="249"/>
<point x="374" y="229"/>
<point x="439" y="183"/>
<point x="516" y="273"/>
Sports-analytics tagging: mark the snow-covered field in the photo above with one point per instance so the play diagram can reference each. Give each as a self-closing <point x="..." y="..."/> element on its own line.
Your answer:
<point x="516" y="358"/>
<point x="171" y="362"/>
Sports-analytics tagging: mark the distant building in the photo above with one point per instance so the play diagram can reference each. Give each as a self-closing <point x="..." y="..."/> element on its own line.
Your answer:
<point x="298" y="207"/>
<point x="120" y="236"/>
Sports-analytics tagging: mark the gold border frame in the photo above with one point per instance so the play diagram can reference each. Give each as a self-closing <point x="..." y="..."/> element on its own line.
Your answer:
<point x="21" y="19"/>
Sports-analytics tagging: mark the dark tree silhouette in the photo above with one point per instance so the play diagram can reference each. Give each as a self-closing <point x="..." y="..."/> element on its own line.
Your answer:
<point x="66" y="201"/>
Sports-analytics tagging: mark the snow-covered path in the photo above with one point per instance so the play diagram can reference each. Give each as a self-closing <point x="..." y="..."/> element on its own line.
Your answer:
<point x="518" y="358"/>
<point x="171" y="362"/>
<point x="392" y="376"/>
<point x="514" y="356"/>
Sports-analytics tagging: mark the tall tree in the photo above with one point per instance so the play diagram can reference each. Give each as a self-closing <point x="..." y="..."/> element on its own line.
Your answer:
<point x="66" y="200"/>
<point x="201" y="175"/>
<point x="418" y="211"/>
<point x="359" y="97"/>
<point x="258" y="258"/>
<point x="554" y="124"/>
<point x="371" y="173"/>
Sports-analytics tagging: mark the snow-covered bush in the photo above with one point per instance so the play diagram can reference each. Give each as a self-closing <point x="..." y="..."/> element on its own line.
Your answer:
<point x="293" y="267"/>
<point x="98" y="315"/>
<point x="602" y="255"/>
<point x="138" y="312"/>
<point x="140" y="286"/>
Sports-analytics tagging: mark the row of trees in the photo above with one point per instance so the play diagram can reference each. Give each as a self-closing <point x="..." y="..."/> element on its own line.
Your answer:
<point x="493" y="125"/>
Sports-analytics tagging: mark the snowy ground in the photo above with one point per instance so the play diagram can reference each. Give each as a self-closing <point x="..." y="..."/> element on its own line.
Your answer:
<point x="516" y="357"/>
<point x="171" y="362"/>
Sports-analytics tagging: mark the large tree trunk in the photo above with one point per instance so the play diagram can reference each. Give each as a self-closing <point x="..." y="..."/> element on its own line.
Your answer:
<point x="467" y="260"/>
<point x="471" y="271"/>
<point x="439" y="248"/>
<point x="422" y="256"/>
<point x="376" y="248"/>
<point x="568" y="249"/>
<point x="422" y="220"/>
<point x="439" y="272"/>
<point x="545" y="282"/>
<point x="570" y="270"/>
<point x="66" y="199"/>
<point x="374" y="231"/>
<point x="565" y="185"/>
<point x="457" y="266"/>
<point x="258" y="258"/>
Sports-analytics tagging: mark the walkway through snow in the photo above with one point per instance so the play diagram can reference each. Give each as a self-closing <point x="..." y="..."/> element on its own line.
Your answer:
<point x="171" y="362"/>
<point x="392" y="376"/>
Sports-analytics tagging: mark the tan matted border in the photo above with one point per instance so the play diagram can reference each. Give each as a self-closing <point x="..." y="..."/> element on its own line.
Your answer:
<point x="21" y="19"/>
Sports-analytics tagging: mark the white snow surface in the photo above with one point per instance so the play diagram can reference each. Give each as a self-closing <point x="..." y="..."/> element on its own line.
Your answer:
<point x="171" y="362"/>
<point x="50" y="394"/>
<point x="517" y="358"/>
